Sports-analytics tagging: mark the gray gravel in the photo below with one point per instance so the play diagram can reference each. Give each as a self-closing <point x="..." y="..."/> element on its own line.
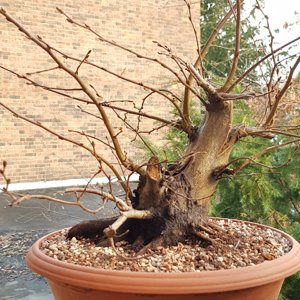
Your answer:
<point x="16" y="280"/>
<point x="20" y="227"/>
<point x="13" y="248"/>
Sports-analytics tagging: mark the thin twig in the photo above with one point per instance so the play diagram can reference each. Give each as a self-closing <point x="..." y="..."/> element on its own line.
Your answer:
<point x="127" y="163"/>
<point x="84" y="59"/>
<point x="42" y="71"/>
<point x="254" y="157"/>
<point x="281" y="93"/>
<point x="82" y="133"/>
<point x="123" y="206"/>
<point x="55" y="90"/>
<point x="193" y="26"/>
<point x="238" y="80"/>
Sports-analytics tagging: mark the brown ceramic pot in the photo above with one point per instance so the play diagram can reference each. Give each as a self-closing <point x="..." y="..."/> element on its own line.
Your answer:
<point x="73" y="282"/>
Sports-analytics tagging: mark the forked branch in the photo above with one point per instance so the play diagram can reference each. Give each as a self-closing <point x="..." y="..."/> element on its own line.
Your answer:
<point x="198" y="64"/>
<point x="247" y="160"/>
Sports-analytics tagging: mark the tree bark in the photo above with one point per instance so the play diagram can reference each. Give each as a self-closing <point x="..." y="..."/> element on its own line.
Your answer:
<point x="210" y="150"/>
<point x="178" y="197"/>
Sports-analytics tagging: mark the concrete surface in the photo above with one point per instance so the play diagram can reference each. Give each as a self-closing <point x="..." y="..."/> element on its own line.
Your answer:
<point x="21" y="226"/>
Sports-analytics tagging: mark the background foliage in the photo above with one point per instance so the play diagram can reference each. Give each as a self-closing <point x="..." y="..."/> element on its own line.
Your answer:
<point x="268" y="192"/>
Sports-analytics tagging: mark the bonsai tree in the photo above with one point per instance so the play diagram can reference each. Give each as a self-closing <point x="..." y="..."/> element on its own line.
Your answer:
<point x="171" y="201"/>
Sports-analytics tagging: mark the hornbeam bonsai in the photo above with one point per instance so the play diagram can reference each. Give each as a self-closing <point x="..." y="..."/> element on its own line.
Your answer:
<point x="170" y="203"/>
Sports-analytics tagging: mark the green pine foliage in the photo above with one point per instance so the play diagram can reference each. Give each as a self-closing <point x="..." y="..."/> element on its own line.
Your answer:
<point x="263" y="195"/>
<point x="219" y="58"/>
<point x="257" y="193"/>
<point x="268" y="191"/>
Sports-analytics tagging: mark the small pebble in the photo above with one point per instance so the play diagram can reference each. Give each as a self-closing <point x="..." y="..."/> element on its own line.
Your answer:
<point x="243" y="245"/>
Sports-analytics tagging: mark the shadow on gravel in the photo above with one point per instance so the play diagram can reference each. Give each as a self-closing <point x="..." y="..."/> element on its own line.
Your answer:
<point x="21" y="226"/>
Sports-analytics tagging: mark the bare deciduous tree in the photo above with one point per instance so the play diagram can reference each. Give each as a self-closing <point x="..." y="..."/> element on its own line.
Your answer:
<point x="171" y="201"/>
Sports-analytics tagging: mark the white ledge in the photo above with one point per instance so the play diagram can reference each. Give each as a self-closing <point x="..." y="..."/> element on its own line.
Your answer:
<point x="22" y="186"/>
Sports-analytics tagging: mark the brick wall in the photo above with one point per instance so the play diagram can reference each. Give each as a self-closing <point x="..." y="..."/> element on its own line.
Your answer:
<point x="33" y="154"/>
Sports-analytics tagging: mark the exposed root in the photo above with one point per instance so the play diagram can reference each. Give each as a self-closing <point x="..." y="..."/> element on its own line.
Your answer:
<point x="90" y="229"/>
<point x="206" y="229"/>
<point x="153" y="244"/>
<point x="202" y="236"/>
<point x="138" y="243"/>
<point x="209" y="232"/>
<point x="215" y="226"/>
<point x="112" y="244"/>
<point x="154" y="220"/>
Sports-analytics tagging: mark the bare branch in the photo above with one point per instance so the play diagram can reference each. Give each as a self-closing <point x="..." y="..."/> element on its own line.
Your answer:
<point x="268" y="133"/>
<point x="135" y="131"/>
<point x="115" y="44"/>
<point x="119" y="202"/>
<point x="86" y="89"/>
<point x="217" y="29"/>
<point x="280" y="94"/>
<point x="17" y="199"/>
<point x="54" y="90"/>
<point x="286" y="127"/>
<point x="237" y="47"/>
<point x="213" y="93"/>
<point x="207" y="87"/>
<point x="259" y="63"/>
<point x="232" y="8"/>
<point x="38" y="124"/>
<point x="247" y="160"/>
<point x="240" y="131"/>
<point x="89" y="113"/>
<point x="3" y="174"/>
<point x="99" y="158"/>
<point x="135" y="82"/>
<point x="137" y="214"/>
<point x="84" y="59"/>
<point x="41" y="197"/>
<point x="140" y="113"/>
<point x="232" y="97"/>
<point x="161" y="92"/>
<point x="82" y="133"/>
<point x="193" y="26"/>
<point x="198" y="63"/>
<point x="42" y="71"/>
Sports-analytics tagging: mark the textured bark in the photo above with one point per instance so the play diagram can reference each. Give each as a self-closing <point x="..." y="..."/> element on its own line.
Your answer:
<point x="179" y="196"/>
<point x="210" y="150"/>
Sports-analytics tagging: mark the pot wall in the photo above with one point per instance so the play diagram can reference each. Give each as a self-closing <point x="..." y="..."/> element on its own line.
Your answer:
<point x="74" y="282"/>
<point x="68" y="292"/>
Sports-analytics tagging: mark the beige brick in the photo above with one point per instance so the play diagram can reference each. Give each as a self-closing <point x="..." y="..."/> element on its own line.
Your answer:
<point x="33" y="154"/>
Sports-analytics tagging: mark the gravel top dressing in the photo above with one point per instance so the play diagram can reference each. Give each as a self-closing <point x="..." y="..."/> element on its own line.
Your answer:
<point x="237" y="245"/>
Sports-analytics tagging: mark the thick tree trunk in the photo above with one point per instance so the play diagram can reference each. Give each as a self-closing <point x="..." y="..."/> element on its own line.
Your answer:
<point x="178" y="197"/>
<point x="209" y="150"/>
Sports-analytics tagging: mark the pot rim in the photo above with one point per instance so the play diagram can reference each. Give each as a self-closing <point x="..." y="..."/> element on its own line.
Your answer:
<point x="166" y="283"/>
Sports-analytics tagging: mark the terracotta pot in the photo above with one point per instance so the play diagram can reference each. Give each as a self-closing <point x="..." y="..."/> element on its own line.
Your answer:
<point x="73" y="282"/>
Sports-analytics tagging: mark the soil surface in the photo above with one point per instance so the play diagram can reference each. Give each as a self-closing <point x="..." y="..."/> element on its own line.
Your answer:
<point x="232" y="245"/>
